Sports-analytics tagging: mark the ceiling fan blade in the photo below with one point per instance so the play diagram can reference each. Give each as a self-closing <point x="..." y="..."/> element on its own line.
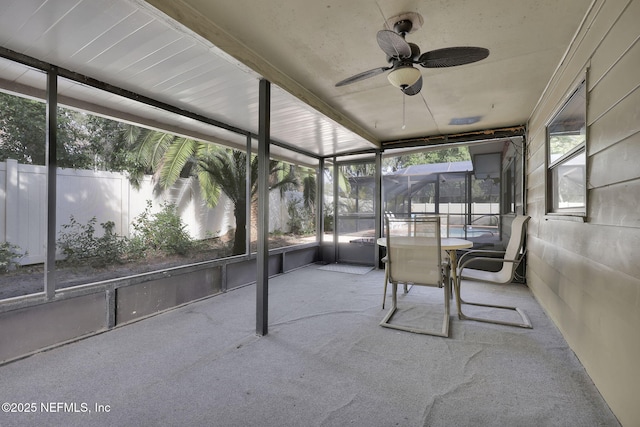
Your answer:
<point x="415" y="51"/>
<point x="362" y="76"/>
<point x="452" y="56"/>
<point x="414" y="89"/>
<point x="393" y="44"/>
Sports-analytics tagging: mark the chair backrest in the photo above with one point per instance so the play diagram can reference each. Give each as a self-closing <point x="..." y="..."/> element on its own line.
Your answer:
<point x="514" y="247"/>
<point x="444" y="225"/>
<point x="444" y="220"/>
<point x="413" y="250"/>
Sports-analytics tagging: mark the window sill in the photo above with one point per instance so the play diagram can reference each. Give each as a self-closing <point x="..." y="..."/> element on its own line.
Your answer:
<point x="568" y="216"/>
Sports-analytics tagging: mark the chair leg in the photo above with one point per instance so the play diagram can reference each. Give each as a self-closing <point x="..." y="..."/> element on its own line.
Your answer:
<point x="394" y="307"/>
<point x="394" y="302"/>
<point x="526" y="323"/>
<point x="386" y="280"/>
<point x="447" y="310"/>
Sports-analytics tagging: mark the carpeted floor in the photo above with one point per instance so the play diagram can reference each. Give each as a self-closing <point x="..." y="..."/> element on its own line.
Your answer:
<point x="325" y="362"/>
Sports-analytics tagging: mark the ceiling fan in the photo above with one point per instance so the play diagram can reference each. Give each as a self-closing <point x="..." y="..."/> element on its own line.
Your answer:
<point x="401" y="55"/>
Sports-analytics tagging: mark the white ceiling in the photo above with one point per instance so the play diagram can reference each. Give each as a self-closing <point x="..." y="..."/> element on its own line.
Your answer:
<point x="207" y="56"/>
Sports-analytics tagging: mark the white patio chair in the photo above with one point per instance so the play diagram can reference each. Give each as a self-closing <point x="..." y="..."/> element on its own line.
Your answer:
<point x="510" y="260"/>
<point x="444" y="232"/>
<point x="415" y="260"/>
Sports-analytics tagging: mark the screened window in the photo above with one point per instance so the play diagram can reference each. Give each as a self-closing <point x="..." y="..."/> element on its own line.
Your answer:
<point x="567" y="160"/>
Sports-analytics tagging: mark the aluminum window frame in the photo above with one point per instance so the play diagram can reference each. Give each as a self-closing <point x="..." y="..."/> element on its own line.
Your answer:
<point x="570" y="159"/>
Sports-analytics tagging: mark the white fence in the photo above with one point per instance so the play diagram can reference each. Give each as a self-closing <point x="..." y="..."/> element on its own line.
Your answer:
<point x="459" y="210"/>
<point x="109" y="197"/>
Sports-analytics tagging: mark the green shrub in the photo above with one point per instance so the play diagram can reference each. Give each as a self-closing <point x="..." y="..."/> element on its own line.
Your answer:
<point x="9" y="256"/>
<point x="301" y="219"/>
<point x="135" y="249"/>
<point x="110" y="247"/>
<point x="162" y="231"/>
<point x="80" y="245"/>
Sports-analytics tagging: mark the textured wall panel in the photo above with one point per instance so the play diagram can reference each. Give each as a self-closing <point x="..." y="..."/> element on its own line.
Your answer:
<point x="30" y="329"/>
<point x="133" y="302"/>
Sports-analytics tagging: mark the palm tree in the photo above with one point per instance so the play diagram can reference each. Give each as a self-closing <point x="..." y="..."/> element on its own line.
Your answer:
<point x="169" y="157"/>
<point x="309" y="189"/>
<point x="217" y="170"/>
<point x="227" y="168"/>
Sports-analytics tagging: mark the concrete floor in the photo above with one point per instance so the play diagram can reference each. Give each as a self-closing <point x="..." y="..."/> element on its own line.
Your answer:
<point x="325" y="362"/>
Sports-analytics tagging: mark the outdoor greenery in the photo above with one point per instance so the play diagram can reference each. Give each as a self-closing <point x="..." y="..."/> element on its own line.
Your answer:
<point x="454" y="154"/>
<point x="559" y="145"/>
<point x="9" y="256"/>
<point x="301" y="220"/>
<point x="227" y="168"/>
<point x="85" y="141"/>
<point x="80" y="245"/>
<point x="161" y="232"/>
<point x="217" y="170"/>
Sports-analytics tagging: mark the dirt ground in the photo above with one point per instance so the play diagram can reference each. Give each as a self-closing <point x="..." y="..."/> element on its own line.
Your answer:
<point x="30" y="279"/>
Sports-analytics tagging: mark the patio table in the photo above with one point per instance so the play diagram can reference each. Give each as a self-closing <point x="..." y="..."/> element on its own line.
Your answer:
<point x="449" y="244"/>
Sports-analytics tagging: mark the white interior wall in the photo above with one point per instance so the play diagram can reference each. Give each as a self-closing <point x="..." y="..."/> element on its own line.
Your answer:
<point x="585" y="273"/>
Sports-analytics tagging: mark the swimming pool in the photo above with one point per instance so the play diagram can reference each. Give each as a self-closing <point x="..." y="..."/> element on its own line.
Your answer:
<point x="471" y="232"/>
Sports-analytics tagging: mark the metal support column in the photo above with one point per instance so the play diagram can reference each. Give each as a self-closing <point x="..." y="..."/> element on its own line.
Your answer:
<point x="336" y="189"/>
<point x="247" y="198"/>
<point x="377" y="203"/>
<point x="469" y="198"/>
<point x="319" y="201"/>
<point x="437" y="194"/>
<point x="262" y="282"/>
<point x="52" y="165"/>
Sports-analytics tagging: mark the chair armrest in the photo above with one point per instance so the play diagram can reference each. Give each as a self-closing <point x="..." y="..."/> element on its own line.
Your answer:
<point x="489" y="259"/>
<point x="479" y="251"/>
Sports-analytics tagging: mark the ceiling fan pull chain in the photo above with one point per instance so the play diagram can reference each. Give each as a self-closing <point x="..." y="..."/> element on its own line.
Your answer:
<point x="404" y="125"/>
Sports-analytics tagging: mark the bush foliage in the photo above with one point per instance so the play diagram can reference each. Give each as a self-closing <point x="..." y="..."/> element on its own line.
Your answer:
<point x="80" y="245"/>
<point x="9" y="256"/>
<point x="161" y="232"/>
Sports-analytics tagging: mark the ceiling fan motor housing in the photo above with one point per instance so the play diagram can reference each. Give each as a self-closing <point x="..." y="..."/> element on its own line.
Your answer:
<point x="403" y="27"/>
<point x="408" y="22"/>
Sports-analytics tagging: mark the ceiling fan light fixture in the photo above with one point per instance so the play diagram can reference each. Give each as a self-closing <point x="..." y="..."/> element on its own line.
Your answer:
<point x="404" y="77"/>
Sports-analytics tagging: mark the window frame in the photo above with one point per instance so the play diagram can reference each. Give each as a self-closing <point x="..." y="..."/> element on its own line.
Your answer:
<point x="553" y="165"/>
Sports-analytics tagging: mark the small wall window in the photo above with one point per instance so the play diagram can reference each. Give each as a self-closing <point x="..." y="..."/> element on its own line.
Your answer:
<point x="567" y="159"/>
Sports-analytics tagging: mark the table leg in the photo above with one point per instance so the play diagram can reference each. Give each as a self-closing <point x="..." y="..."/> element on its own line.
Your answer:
<point x="453" y="256"/>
